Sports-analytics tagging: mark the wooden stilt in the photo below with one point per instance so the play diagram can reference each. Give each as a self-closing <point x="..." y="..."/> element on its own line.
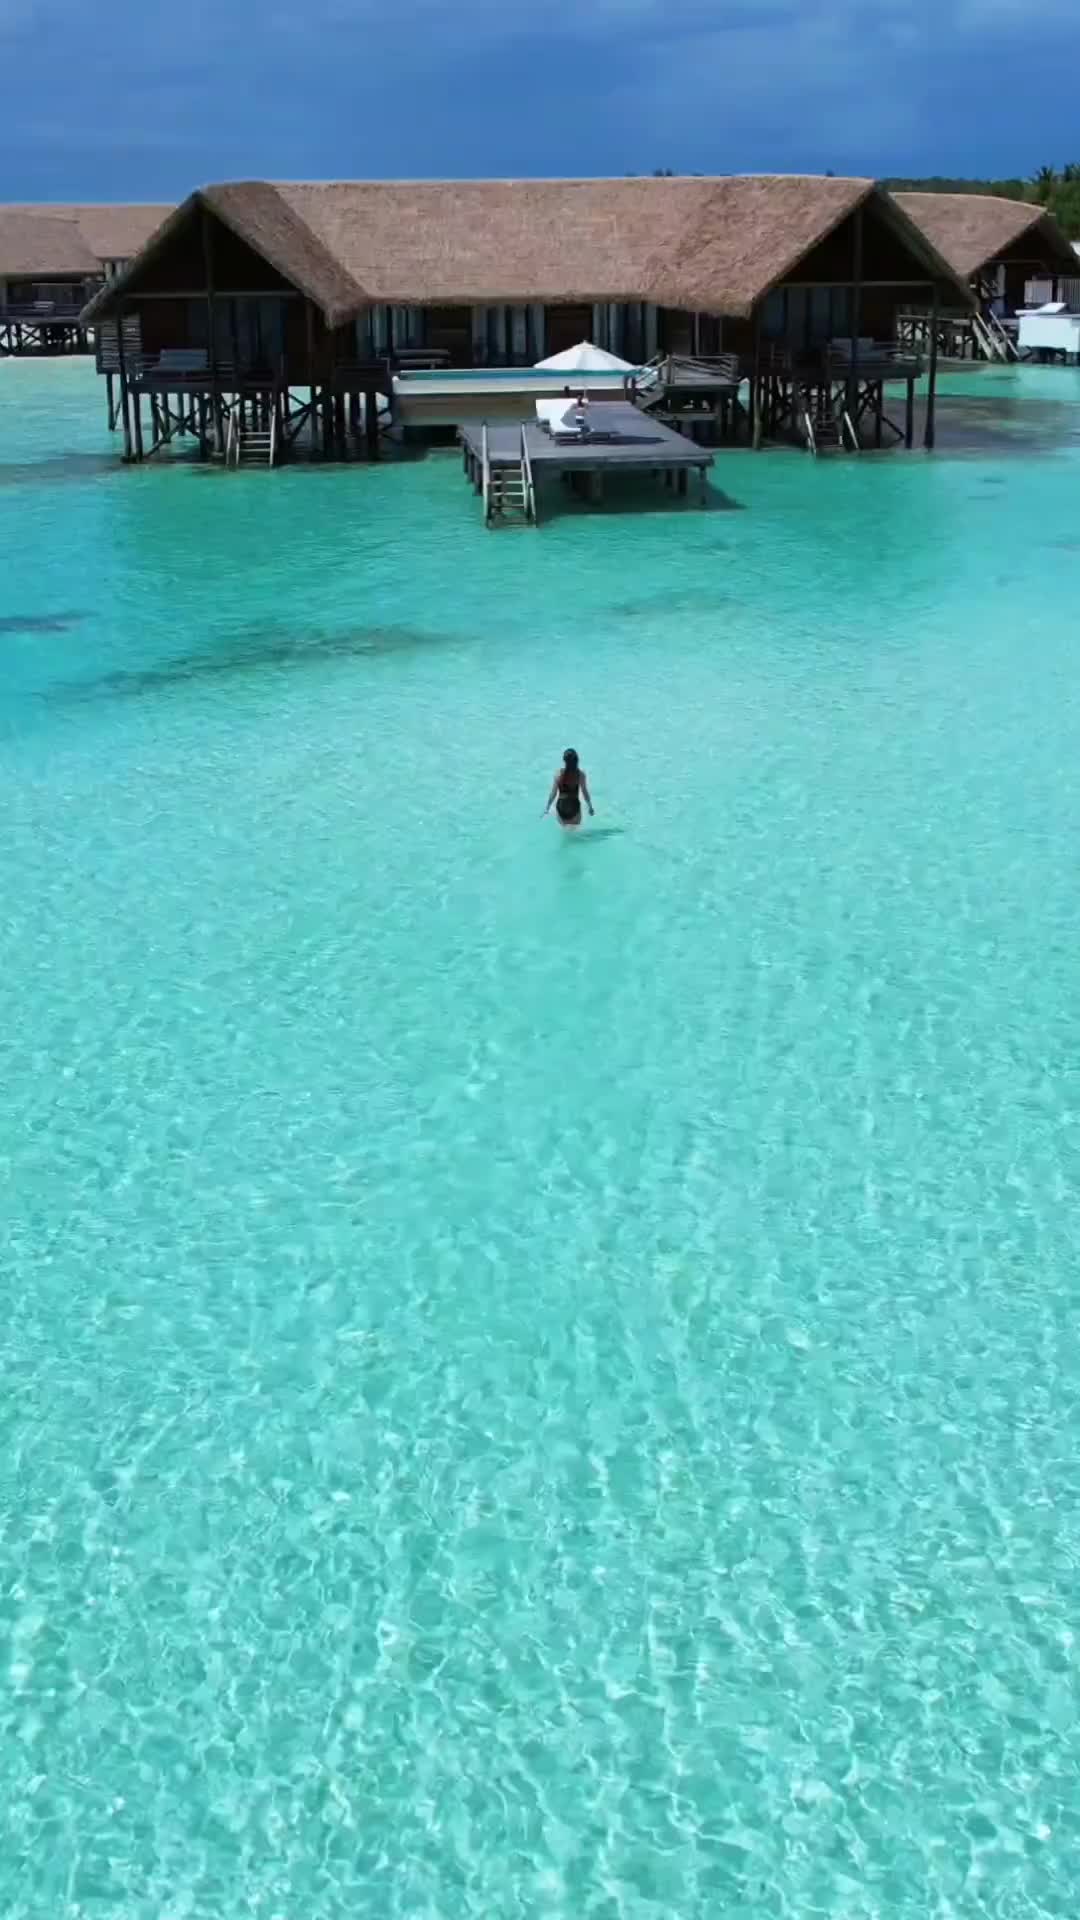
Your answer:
<point x="929" y="433"/>
<point x="125" y="404"/>
<point x="755" y="376"/>
<point x="125" y="415"/>
<point x="852" y="388"/>
<point x="909" y="416"/>
<point x="111" y="402"/>
<point x="218" y="434"/>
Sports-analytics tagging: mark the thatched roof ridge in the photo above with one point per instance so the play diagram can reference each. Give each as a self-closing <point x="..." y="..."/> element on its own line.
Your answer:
<point x="257" y="212"/>
<point x="710" y="244"/>
<point x="262" y="214"/>
<point x="491" y="242"/>
<point x="747" y="234"/>
<point x="111" y="232"/>
<point x="972" y="230"/>
<point x="33" y="242"/>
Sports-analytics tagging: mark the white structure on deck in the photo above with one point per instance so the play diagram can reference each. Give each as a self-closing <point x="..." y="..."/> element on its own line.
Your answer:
<point x="1051" y="328"/>
<point x="585" y="358"/>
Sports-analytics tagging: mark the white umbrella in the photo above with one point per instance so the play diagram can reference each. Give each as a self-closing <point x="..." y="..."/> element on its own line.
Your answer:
<point x="585" y="358"/>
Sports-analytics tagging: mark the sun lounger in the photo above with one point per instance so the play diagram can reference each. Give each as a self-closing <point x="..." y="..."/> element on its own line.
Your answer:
<point x="559" y="418"/>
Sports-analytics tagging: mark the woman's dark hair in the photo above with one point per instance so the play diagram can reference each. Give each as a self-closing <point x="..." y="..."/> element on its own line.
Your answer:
<point x="570" y="757"/>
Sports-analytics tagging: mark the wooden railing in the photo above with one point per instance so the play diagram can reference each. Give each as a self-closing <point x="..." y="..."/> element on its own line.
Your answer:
<point x="45" y="313"/>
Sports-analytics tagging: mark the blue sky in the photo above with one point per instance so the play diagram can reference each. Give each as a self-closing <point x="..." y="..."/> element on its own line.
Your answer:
<point x="132" y="100"/>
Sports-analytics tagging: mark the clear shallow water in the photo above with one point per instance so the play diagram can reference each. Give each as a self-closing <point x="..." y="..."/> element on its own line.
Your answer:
<point x="540" y="1378"/>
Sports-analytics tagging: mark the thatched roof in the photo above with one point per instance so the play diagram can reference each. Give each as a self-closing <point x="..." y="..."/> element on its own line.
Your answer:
<point x="973" y="230"/>
<point x="35" y="243"/>
<point x="108" y="232"/>
<point x="711" y="245"/>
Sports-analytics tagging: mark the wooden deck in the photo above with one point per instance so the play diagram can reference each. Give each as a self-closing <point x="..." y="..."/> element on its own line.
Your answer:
<point x="40" y="333"/>
<point x="637" y="444"/>
<point x="507" y="462"/>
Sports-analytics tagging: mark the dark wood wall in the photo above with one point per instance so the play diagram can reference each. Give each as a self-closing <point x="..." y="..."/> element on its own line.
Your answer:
<point x="180" y="266"/>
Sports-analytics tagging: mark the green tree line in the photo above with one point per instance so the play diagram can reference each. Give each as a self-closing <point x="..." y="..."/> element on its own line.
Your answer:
<point x="1055" y="188"/>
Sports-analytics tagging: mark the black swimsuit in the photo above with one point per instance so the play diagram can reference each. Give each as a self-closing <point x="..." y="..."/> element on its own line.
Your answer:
<point x="568" y="804"/>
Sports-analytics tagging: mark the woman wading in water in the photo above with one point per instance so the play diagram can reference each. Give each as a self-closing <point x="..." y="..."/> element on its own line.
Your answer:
<point x="568" y="788"/>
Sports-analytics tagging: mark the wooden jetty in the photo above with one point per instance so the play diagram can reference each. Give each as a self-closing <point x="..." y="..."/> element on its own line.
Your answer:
<point x="53" y="260"/>
<point x="264" y="320"/>
<point x="508" y="462"/>
<point x="995" y="247"/>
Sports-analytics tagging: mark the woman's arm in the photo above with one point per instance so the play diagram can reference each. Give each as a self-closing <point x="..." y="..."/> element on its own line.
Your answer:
<point x="551" y="795"/>
<point x="588" y="795"/>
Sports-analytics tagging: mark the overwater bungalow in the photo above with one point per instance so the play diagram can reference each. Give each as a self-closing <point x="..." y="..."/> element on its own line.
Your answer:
<point x="998" y="247"/>
<point x="53" y="259"/>
<point x="271" y="316"/>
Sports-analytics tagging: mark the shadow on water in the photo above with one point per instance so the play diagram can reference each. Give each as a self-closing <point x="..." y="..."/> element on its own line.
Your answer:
<point x="998" y="424"/>
<point x="57" y="467"/>
<point x="39" y="622"/>
<point x="631" y="494"/>
<point x="252" y="651"/>
<point x="591" y="836"/>
<point x="675" y="600"/>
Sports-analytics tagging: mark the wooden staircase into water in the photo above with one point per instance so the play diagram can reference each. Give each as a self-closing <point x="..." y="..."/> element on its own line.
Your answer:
<point x="509" y="491"/>
<point x="825" y="428"/>
<point x="251" y="446"/>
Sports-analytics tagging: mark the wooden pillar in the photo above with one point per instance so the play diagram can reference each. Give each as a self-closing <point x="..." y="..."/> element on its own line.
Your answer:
<point x="684" y="476"/>
<point x="879" y="409"/>
<point x="851" y="392"/>
<point x="211" y="331"/>
<point x="909" y="415"/>
<point x="138" y="425"/>
<point x="125" y="404"/>
<point x="111" y="402"/>
<point x="929" y="433"/>
<point x="755" y="375"/>
<point x="309" y="323"/>
<point x="371" y="423"/>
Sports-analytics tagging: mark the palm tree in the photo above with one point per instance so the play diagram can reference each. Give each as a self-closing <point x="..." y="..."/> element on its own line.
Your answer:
<point x="1071" y="172"/>
<point x="1045" y="182"/>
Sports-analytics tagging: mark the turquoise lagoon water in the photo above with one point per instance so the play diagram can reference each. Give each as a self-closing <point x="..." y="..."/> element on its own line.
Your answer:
<point x="540" y="1377"/>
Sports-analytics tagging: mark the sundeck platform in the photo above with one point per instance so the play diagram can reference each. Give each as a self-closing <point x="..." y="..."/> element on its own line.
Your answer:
<point x="622" y="440"/>
<point x="636" y="442"/>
